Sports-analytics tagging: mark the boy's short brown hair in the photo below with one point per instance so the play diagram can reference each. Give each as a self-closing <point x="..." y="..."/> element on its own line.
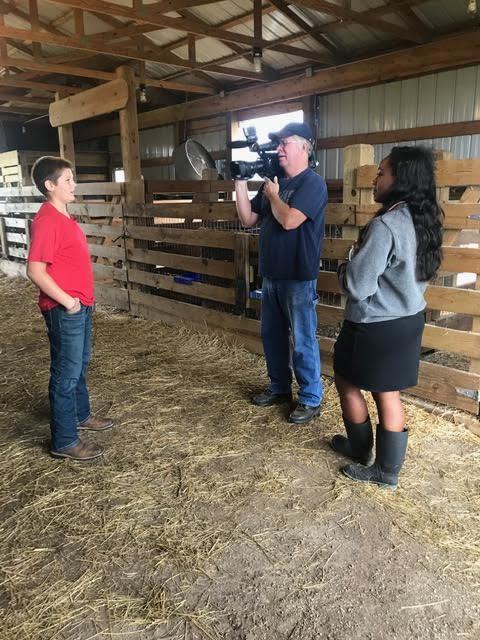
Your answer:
<point x="48" y="168"/>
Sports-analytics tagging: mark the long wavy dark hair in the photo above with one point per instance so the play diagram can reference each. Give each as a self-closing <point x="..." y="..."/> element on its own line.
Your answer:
<point x="414" y="171"/>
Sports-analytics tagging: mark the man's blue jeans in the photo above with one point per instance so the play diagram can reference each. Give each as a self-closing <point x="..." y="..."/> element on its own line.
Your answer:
<point x="70" y="345"/>
<point x="288" y="308"/>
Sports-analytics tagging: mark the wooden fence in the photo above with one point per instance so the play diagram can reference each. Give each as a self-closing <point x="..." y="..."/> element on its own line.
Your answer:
<point x="186" y="258"/>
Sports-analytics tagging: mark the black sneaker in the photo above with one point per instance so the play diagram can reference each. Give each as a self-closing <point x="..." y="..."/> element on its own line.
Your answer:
<point x="303" y="413"/>
<point x="267" y="398"/>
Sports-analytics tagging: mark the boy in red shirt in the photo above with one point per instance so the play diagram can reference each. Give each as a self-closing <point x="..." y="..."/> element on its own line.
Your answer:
<point x="59" y="264"/>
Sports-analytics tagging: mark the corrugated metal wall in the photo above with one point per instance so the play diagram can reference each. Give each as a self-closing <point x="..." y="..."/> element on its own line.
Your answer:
<point x="160" y="142"/>
<point x="450" y="96"/>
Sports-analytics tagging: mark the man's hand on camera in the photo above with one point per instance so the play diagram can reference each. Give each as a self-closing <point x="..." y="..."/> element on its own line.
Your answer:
<point x="271" y="188"/>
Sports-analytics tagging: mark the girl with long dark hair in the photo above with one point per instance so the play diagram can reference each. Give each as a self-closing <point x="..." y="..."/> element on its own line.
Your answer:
<point x="378" y="348"/>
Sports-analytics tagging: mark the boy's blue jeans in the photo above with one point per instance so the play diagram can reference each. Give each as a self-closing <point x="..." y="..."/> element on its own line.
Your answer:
<point x="70" y="345"/>
<point x="288" y="307"/>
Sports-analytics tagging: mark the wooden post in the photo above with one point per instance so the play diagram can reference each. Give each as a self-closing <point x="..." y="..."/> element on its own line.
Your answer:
<point x="3" y="237"/>
<point x="355" y="156"/>
<point x="130" y="146"/>
<point x="242" y="271"/>
<point x="28" y="232"/>
<point x="129" y="141"/>
<point x="65" y="136"/>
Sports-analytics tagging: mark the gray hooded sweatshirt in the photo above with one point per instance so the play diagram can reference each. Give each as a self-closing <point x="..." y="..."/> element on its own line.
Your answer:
<point x="379" y="280"/>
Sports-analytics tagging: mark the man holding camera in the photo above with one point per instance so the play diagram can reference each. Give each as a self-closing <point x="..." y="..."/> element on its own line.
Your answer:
<point x="291" y="215"/>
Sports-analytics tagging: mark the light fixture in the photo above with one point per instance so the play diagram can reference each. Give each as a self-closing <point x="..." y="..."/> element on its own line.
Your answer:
<point x="472" y="6"/>
<point x="257" y="59"/>
<point x="142" y="95"/>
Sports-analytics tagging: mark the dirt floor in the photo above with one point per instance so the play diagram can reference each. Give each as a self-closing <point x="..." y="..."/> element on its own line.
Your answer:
<point x="209" y="518"/>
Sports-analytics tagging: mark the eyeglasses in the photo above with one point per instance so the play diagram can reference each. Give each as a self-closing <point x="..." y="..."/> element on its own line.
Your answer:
<point x="284" y="143"/>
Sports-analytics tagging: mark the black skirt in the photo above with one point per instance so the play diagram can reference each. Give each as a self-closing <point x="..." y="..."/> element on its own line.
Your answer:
<point x="380" y="356"/>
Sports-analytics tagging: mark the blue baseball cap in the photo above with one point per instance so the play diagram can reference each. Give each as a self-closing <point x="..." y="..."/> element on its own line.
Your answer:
<point x="293" y="129"/>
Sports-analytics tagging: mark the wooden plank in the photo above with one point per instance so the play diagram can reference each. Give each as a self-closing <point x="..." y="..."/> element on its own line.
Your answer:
<point x="195" y="210"/>
<point x="196" y="186"/>
<point x="430" y="132"/>
<point x="104" y="272"/>
<point x="113" y="296"/>
<point x="7" y="208"/>
<point x="448" y="173"/>
<point x="440" y="384"/>
<point x="198" y="289"/>
<point x="183" y="263"/>
<point x="194" y="237"/>
<point x="95" y="189"/>
<point x="336" y="248"/>
<point x="197" y="314"/>
<point x="456" y="215"/>
<point x="328" y="282"/>
<point x="8" y="158"/>
<point x="453" y="299"/>
<point x="105" y="98"/>
<point x="464" y="343"/>
<point x="101" y="251"/>
<point x="329" y="316"/>
<point x="3" y="239"/>
<point x="461" y="260"/>
<point x="92" y="210"/>
<point x="16" y="252"/>
<point x="18" y="238"/>
<point x="15" y="223"/>
<point x="102" y="230"/>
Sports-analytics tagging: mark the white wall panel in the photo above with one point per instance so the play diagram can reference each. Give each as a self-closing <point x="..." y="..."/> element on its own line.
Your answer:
<point x="461" y="146"/>
<point x="333" y="114"/>
<point x="475" y="146"/>
<point x="392" y="106"/>
<point x="376" y="108"/>
<point x="360" y="111"/>
<point x="408" y="103"/>
<point x="346" y="112"/>
<point x="464" y="94"/>
<point x="427" y="87"/>
<point x="476" y="106"/>
<point x="444" y="98"/>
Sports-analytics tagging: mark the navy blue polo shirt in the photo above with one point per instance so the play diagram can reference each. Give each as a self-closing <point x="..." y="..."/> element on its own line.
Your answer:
<point x="293" y="254"/>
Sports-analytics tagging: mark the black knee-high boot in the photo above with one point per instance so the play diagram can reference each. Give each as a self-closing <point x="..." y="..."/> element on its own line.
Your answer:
<point x="391" y="450"/>
<point x="358" y="445"/>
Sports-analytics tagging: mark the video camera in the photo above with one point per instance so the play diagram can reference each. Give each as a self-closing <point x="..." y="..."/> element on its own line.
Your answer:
<point x="267" y="165"/>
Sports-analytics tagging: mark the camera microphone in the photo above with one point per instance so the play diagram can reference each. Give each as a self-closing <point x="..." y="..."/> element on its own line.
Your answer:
<point x="238" y="144"/>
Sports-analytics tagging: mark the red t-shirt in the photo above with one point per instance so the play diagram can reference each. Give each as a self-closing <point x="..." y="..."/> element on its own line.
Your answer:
<point x="58" y="240"/>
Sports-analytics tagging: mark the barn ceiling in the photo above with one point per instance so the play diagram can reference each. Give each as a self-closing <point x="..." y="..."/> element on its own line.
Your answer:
<point x="181" y="49"/>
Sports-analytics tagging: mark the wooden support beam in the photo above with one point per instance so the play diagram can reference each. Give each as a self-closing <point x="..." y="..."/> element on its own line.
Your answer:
<point x="35" y="25"/>
<point x="65" y="136"/>
<point x="190" y="26"/>
<point x="129" y="141"/>
<point x="79" y="24"/>
<point x="445" y="53"/>
<point x="13" y="81"/>
<point x="358" y="16"/>
<point x="107" y="97"/>
<point x="95" y="46"/>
